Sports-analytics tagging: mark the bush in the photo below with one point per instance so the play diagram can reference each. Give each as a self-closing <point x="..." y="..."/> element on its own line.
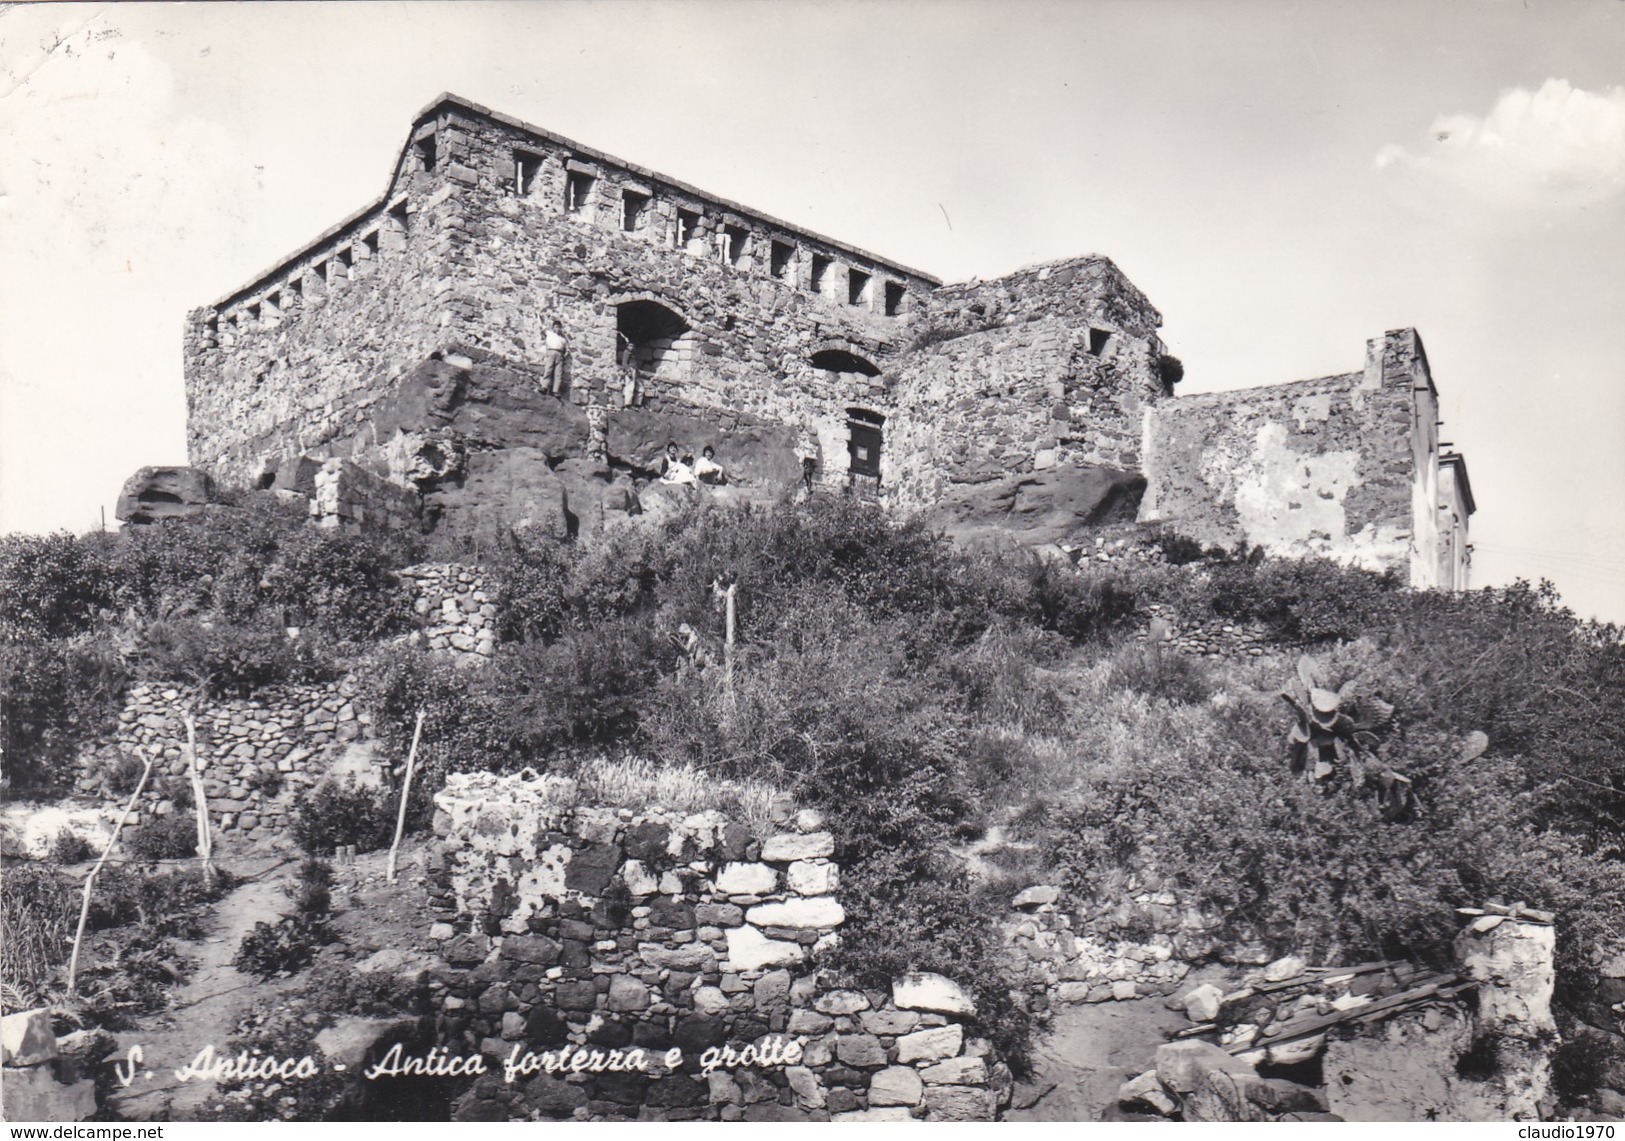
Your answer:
<point x="291" y="943"/>
<point x="170" y="902"/>
<point x="231" y="661"/>
<point x="337" y="815"/>
<point x="284" y="947"/>
<point x="1159" y="672"/>
<point x="55" y="696"/>
<point x="51" y="586"/>
<point x="172" y="837"/>
<point x="70" y="847"/>
<point x="38" y="911"/>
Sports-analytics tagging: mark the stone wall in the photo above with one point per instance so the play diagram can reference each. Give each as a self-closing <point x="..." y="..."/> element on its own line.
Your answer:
<point x="1344" y="467"/>
<point x="492" y="229"/>
<point x="577" y="927"/>
<point x="346" y="495"/>
<point x="458" y="606"/>
<point x="258" y="755"/>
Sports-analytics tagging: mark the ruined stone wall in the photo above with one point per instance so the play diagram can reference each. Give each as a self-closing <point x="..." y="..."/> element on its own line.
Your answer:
<point x="458" y="606"/>
<point x="580" y="927"/>
<point x="259" y="756"/>
<point x="349" y="496"/>
<point x="1318" y="467"/>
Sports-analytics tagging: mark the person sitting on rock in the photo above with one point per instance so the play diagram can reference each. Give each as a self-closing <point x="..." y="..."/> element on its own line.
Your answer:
<point x="673" y="469"/>
<point x="706" y="468"/>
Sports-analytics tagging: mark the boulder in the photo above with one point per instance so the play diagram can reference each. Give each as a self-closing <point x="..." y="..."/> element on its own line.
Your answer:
<point x="926" y="991"/>
<point x="1037" y="507"/>
<point x="964" y="1071"/>
<point x="1146" y="1090"/>
<point x="27" y="1039"/>
<point x="1036" y="896"/>
<point x="1282" y="969"/>
<point x="860" y="1050"/>
<point x="746" y="879"/>
<point x="32" y="1093"/>
<point x="958" y="1103"/>
<point x="841" y="1002"/>
<point x="1183" y="1066"/>
<point x="931" y="1045"/>
<point x="1202" y="1003"/>
<point x="354" y="1041"/>
<point x="798" y="846"/>
<point x="156" y="493"/>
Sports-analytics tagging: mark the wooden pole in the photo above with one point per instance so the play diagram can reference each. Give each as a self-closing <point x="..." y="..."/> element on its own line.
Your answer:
<point x="728" y="644"/>
<point x="406" y="791"/>
<point x="205" y="838"/>
<point x="84" y="906"/>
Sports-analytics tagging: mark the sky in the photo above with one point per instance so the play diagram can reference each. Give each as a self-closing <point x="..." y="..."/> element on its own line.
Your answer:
<point x="1284" y="180"/>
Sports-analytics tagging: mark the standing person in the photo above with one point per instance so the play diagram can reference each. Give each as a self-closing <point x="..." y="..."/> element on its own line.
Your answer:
<point x="553" y="358"/>
<point x="627" y="357"/>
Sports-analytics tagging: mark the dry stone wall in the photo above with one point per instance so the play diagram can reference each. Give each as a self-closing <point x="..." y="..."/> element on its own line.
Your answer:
<point x="258" y="755"/>
<point x="571" y="928"/>
<point x="458" y="606"/>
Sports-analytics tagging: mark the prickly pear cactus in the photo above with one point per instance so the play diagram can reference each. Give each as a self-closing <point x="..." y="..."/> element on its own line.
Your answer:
<point x="1337" y="735"/>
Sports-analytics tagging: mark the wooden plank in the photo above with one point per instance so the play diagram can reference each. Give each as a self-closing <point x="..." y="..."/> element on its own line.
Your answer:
<point x="1298" y="1027"/>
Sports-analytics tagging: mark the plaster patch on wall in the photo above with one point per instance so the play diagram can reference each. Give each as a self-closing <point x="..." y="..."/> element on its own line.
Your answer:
<point x="1308" y="409"/>
<point x="1291" y="501"/>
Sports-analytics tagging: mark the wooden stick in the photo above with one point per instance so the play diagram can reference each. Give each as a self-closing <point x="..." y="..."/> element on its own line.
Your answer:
<point x="406" y="791"/>
<point x="205" y="841"/>
<point x="84" y="906"/>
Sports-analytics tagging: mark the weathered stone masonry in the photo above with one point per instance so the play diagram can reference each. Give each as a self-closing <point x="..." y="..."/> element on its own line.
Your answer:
<point x="409" y="339"/>
<point x="1346" y="467"/>
<point x="394" y="371"/>
<point x="590" y="927"/>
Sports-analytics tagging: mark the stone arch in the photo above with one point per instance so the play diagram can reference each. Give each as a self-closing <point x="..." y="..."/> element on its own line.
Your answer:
<point x="652" y="336"/>
<point x="844" y="357"/>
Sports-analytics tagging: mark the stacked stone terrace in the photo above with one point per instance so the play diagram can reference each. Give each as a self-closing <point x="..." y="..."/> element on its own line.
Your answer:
<point x="577" y="926"/>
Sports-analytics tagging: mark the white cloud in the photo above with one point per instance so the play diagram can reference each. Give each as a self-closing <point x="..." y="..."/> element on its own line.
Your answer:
<point x="1559" y="146"/>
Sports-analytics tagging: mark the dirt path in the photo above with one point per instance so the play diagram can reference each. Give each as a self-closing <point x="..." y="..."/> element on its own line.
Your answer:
<point x="205" y="1011"/>
<point x="1092" y="1049"/>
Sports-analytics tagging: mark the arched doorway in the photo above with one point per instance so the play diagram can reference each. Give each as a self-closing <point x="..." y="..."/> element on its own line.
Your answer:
<point x="651" y="345"/>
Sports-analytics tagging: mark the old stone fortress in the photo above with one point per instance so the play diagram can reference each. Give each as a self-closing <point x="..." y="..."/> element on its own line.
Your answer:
<point x="396" y="370"/>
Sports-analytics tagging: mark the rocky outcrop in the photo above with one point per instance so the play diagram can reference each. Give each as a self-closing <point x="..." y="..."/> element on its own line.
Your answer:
<point x="157" y="493"/>
<point x="37" y="1081"/>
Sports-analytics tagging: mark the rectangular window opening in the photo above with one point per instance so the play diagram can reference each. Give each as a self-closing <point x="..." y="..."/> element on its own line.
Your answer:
<point x="894" y="298"/>
<point x="1098" y="340"/>
<point x="427" y="153"/>
<point x="688" y="225"/>
<point x="736" y="240"/>
<point x="818" y="282"/>
<point x="526" y="167"/>
<point x="781" y="258"/>
<point x="578" y="186"/>
<point x="369" y="245"/>
<point x="857" y="287"/>
<point x="633" y="207"/>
